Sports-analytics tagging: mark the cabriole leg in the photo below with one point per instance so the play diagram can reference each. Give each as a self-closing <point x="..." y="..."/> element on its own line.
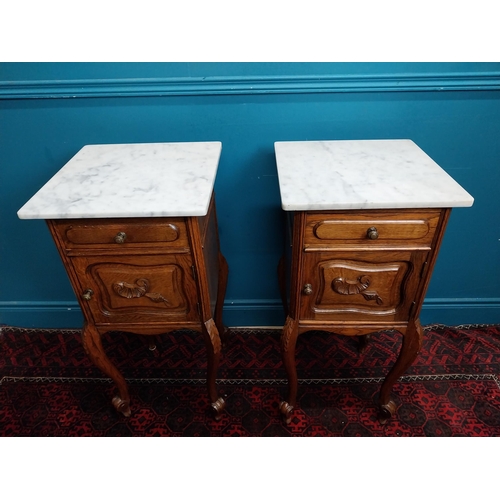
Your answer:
<point x="412" y="343"/>
<point x="93" y="347"/>
<point x="213" y="346"/>
<point x="288" y="342"/>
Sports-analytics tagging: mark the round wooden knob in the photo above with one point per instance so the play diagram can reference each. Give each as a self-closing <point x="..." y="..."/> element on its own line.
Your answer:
<point x="87" y="294"/>
<point x="372" y="233"/>
<point x="120" y="237"/>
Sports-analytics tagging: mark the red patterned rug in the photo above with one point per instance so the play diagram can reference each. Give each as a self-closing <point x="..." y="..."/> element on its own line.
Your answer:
<point x="48" y="387"/>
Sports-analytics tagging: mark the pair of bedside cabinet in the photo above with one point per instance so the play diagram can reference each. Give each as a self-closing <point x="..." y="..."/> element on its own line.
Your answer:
<point x="136" y="228"/>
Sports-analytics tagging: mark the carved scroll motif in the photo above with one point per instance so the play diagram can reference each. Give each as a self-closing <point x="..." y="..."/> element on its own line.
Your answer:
<point x="140" y="289"/>
<point x="360" y="286"/>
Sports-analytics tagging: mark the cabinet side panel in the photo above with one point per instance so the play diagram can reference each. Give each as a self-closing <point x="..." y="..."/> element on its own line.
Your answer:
<point x="210" y="244"/>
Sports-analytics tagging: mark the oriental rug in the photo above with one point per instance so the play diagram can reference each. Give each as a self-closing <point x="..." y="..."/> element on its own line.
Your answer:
<point x="48" y="387"/>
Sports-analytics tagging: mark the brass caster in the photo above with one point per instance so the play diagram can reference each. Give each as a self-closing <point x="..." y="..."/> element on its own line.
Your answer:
<point x="217" y="408"/>
<point x="286" y="412"/>
<point x="386" y="412"/>
<point x="122" y="406"/>
<point x="224" y="336"/>
<point x="151" y="343"/>
<point x="363" y="343"/>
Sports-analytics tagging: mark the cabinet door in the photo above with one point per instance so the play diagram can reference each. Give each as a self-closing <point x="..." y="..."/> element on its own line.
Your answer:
<point x="135" y="289"/>
<point x="376" y="286"/>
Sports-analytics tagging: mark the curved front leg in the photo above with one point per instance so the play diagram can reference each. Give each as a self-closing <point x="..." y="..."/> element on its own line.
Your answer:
<point x="213" y="346"/>
<point x="93" y="347"/>
<point x="288" y="342"/>
<point x="412" y="343"/>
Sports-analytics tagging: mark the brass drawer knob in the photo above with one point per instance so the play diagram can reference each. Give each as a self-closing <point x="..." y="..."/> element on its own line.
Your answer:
<point x="372" y="233"/>
<point x="120" y="237"/>
<point x="87" y="294"/>
<point x="308" y="289"/>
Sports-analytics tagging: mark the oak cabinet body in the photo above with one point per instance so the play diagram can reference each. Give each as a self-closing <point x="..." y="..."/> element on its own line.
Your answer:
<point x="364" y="263"/>
<point x="146" y="276"/>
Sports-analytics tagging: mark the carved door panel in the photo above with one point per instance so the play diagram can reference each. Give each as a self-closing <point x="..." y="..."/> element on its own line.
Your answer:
<point x="135" y="289"/>
<point x="376" y="286"/>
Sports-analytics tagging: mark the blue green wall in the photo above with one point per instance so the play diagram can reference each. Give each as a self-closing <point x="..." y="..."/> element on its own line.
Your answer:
<point x="48" y="111"/>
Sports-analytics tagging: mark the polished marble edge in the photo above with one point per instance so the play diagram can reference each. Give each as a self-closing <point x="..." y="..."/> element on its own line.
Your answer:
<point x="363" y="174"/>
<point x="130" y="180"/>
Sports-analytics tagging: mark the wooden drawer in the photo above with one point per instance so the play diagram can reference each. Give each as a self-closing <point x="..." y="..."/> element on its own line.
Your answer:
<point x="122" y="233"/>
<point x="371" y="228"/>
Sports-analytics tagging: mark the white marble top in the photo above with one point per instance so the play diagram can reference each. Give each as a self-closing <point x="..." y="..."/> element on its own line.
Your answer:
<point x="130" y="180"/>
<point x="364" y="174"/>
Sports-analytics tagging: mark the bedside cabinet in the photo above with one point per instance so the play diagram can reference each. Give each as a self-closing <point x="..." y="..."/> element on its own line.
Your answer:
<point x="366" y="219"/>
<point x="136" y="228"/>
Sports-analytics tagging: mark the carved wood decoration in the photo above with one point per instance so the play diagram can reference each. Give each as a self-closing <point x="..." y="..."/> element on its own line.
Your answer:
<point x="346" y="287"/>
<point x="376" y="284"/>
<point x="137" y="288"/>
<point x="140" y="289"/>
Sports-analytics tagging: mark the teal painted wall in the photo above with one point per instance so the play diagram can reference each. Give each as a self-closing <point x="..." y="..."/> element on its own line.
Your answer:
<point x="48" y="111"/>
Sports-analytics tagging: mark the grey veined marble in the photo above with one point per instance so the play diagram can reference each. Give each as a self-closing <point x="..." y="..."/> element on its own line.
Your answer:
<point x="364" y="174"/>
<point x="130" y="180"/>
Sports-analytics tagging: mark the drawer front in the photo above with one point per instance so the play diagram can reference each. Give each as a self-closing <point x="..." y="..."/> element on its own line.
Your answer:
<point x="371" y="228"/>
<point x="122" y="233"/>
<point x="345" y="286"/>
<point x="153" y="289"/>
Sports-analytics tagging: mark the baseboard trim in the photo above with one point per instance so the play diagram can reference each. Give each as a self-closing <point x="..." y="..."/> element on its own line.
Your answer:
<point x="41" y="314"/>
<point x="452" y="311"/>
<point x="248" y="313"/>
<point x="205" y="86"/>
